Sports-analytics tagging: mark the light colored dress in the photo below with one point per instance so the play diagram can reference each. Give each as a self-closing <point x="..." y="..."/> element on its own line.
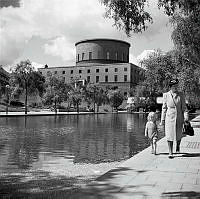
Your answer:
<point x="173" y="113"/>
<point x="151" y="131"/>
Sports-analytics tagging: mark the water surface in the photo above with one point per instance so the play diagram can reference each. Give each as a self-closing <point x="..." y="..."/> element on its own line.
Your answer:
<point x="36" y="151"/>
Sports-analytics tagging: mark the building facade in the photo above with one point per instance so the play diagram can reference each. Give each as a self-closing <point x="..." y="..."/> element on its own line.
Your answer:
<point x="100" y="61"/>
<point x="4" y="80"/>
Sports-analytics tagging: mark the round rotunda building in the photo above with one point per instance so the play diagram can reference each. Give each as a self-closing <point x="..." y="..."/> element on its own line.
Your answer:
<point x="101" y="51"/>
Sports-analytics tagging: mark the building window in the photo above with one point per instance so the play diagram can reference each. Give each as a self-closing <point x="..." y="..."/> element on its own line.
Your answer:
<point x="90" y="55"/>
<point x="106" y="70"/>
<point x="55" y="72"/>
<point x="63" y="72"/>
<point x="83" y="56"/>
<point x="106" y="78"/>
<point x="88" y="71"/>
<point x="123" y="56"/>
<point x="116" y="55"/>
<point x="63" y="79"/>
<point x="80" y="71"/>
<point x="107" y="55"/>
<point x="88" y="79"/>
<point x="115" y="77"/>
<point x="72" y="71"/>
<point x="78" y="57"/>
<point x="125" y="94"/>
<point x="48" y="73"/>
<point x="97" y="79"/>
<point x="97" y="70"/>
<point x="125" y="69"/>
<point x="116" y="69"/>
<point x="125" y="78"/>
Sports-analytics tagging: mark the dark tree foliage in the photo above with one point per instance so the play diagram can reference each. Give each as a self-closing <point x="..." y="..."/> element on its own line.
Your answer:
<point x="187" y="7"/>
<point x="129" y="15"/>
<point x="132" y="15"/>
<point x="115" y="98"/>
<point x="186" y="37"/>
<point x="163" y="67"/>
<point x="27" y="80"/>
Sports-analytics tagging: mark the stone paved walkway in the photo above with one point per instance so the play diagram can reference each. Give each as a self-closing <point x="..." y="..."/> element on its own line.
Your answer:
<point x="152" y="176"/>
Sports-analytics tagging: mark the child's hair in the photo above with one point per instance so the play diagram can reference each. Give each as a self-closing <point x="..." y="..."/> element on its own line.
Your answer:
<point x="151" y="117"/>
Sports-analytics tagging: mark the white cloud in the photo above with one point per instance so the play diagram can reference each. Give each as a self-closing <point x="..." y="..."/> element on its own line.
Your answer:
<point x="45" y="19"/>
<point x="60" y="47"/>
<point x="133" y="59"/>
<point x="145" y="55"/>
<point x="61" y="23"/>
<point x="37" y="65"/>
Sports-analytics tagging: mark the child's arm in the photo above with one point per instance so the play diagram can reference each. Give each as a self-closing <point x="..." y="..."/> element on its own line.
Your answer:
<point x="156" y="130"/>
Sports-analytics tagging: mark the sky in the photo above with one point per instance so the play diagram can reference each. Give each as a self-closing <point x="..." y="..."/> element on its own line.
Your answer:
<point x="45" y="31"/>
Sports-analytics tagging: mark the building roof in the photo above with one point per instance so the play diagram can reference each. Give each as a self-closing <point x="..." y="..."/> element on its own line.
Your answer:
<point x="102" y="39"/>
<point x="82" y="66"/>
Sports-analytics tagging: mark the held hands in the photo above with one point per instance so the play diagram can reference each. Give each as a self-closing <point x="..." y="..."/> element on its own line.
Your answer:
<point x="186" y="116"/>
<point x="162" y="123"/>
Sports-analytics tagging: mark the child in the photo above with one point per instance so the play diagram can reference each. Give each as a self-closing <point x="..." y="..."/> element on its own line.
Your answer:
<point x="151" y="131"/>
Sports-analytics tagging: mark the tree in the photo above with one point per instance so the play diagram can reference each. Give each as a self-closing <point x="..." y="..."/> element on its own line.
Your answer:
<point x="186" y="37"/>
<point x="75" y="97"/>
<point x="115" y="98"/>
<point x="96" y="95"/>
<point x="186" y="7"/>
<point x="128" y="15"/>
<point x="57" y="91"/>
<point x="164" y="67"/>
<point x="27" y="80"/>
<point x="133" y="15"/>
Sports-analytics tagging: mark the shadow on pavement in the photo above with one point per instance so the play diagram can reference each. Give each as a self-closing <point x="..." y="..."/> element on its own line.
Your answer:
<point x="104" y="188"/>
<point x="191" y="155"/>
<point x="112" y="173"/>
<point x="42" y="185"/>
<point x="181" y="194"/>
<point x="162" y="154"/>
<point x="38" y="184"/>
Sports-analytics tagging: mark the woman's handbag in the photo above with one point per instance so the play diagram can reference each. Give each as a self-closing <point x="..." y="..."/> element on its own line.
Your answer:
<point x="187" y="129"/>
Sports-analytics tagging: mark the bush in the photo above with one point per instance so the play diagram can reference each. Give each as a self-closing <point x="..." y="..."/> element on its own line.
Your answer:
<point x="35" y="105"/>
<point x="16" y="103"/>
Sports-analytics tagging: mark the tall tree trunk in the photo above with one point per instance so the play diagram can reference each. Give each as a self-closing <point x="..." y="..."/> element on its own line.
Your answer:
<point x="77" y="108"/>
<point x="26" y="97"/>
<point x="55" y="107"/>
<point x="94" y="107"/>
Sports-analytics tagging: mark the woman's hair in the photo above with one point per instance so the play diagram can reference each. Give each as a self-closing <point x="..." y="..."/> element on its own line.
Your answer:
<point x="151" y="117"/>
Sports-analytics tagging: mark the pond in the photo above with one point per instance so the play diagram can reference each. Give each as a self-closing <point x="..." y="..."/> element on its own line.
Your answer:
<point x="37" y="151"/>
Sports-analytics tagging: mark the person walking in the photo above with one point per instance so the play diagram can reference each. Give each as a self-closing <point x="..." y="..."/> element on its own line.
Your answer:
<point x="151" y="131"/>
<point x="172" y="116"/>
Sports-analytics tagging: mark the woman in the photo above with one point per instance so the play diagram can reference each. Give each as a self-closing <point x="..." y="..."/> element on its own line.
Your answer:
<point x="173" y="116"/>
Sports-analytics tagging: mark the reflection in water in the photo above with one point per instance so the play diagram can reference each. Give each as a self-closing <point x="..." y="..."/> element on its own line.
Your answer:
<point x="135" y="127"/>
<point x="28" y="142"/>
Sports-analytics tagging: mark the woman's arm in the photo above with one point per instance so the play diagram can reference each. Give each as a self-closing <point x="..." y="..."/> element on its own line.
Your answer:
<point x="184" y="108"/>
<point x="164" y="108"/>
